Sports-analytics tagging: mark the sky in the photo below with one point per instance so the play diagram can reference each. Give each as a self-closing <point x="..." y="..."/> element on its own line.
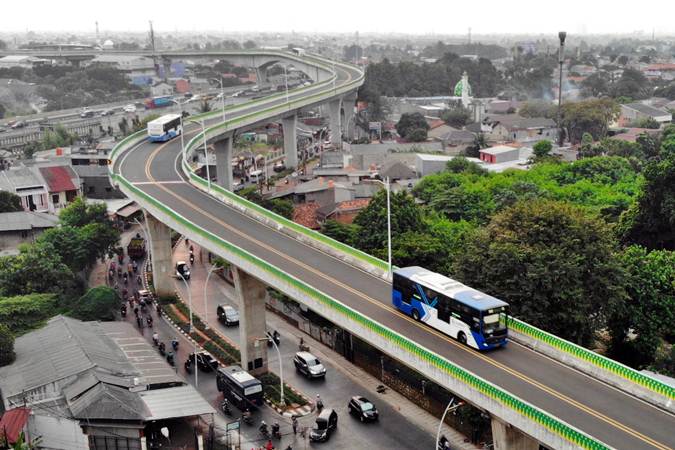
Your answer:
<point x="347" y="16"/>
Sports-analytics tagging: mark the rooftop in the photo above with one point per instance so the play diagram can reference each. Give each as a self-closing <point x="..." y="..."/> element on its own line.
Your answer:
<point x="25" y="220"/>
<point x="514" y="121"/>
<point x="646" y="109"/>
<point x="59" y="178"/>
<point x="11" y="424"/>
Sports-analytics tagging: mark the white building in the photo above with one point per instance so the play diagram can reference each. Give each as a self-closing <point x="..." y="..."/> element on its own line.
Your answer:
<point x="27" y="62"/>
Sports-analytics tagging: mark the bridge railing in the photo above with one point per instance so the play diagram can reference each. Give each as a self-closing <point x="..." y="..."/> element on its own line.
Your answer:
<point x="486" y="388"/>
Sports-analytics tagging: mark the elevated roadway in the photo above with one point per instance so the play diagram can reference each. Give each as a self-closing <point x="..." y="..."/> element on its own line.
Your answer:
<point x="609" y="415"/>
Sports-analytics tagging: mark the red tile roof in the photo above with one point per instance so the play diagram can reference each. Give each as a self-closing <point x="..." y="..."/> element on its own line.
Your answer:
<point x="352" y="205"/>
<point x="305" y="214"/>
<point x="58" y="178"/>
<point x="12" y="422"/>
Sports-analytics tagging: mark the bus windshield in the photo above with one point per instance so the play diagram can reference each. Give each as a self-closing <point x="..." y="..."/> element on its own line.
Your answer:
<point x="492" y="322"/>
<point x="253" y="389"/>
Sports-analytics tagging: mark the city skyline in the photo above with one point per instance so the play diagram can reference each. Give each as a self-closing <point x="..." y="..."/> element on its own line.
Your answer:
<point x="578" y="17"/>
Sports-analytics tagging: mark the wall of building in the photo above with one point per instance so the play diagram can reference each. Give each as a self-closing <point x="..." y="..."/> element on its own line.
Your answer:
<point x="57" y="433"/>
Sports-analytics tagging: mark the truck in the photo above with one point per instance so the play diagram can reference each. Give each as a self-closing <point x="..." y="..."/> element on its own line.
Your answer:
<point x="158" y="102"/>
<point x="136" y="247"/>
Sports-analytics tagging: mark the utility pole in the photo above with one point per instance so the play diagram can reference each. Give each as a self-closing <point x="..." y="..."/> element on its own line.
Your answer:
<point x="469" y="35"/>
<point x="561" y="57"/>
<point x="97" y="35"/>
<point x="152" y="47"/>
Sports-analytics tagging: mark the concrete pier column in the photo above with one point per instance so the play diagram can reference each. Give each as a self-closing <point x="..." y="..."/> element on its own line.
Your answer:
<point x="348" y="104"/>
<point x="251" y="297"/>
<point x="260" y="76"/>
<point x="223" y="150"/>
<point x="290" y="125"/>
<point x="335" y="121"/>
<point x="506" y="437"/>
<point x="160" y="250"/>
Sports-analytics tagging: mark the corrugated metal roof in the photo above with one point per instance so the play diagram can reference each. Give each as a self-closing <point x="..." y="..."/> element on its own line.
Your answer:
<point x="108" y="402"/>
<point x="59" y="178"/>
<point x="175" y="402"/>
<point x="24" y="220"/>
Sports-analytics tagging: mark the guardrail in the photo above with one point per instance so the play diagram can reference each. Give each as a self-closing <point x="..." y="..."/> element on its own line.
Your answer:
<point x="482" y="386"/>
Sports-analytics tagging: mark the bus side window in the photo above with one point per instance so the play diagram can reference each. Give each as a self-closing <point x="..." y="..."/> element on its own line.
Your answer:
<point x="443" y="308"/>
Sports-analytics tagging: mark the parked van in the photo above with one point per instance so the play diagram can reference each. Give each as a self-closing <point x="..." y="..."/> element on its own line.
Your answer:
<point x="256" y="176"/>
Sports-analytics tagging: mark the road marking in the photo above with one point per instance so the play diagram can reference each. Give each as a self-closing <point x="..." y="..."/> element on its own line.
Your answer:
<point x="392" y="310"/>
<point x="145" y="183"/>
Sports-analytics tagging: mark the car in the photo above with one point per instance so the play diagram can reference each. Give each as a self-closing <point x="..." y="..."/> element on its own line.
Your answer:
<point x="227" y="315"/>
<point x="324" y="426"/>
<point x="205" y="361"/>
<point x="279" y="167"/>
<point x="145" y="295"/>
<point x="362" y="408"/>
<point x="188" y="95"/>
<point x="182" y="270"/>
<point x="86" y="113"/>
<point x="309" y="365"/>
<point x="3" y="129"/>
<point x="108" y="112"/>
<point x="18" y="124"/>
<point x="129" y="108"/>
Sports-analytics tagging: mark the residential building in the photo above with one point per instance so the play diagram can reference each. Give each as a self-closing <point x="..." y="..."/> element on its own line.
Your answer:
<point x="22" y="227"/>
<point x="632" y="113"/>
<point x="320" y="191"/>
<point x="161" y="89"/>
<point x="512" y="127"/>
<point x="396" y="170"/>
<point x="499" y="154"/>
<point x="101" y="383"/>
<point x="343" y="212"/>
<point x="665" y="71"/>
<point x="63" y="185"/>
<point x="28" y="185"/>
<point x="139" y="69"/>
<point x="27" y="62"/>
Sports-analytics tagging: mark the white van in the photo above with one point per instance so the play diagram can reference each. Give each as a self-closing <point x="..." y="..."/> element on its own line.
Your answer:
<point x="256" y="176"/>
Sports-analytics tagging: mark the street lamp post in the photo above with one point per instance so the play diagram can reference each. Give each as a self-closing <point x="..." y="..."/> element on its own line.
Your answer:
<point x="189" y="293"/>
<point x="206" y="156"/>
<point x="182" y="140"/>
<point x="222" y="96"/>
<point x="387" y="186"/>
<point x="281" y="366"/>
<point x="206" y="307"/>
<point x="561" y="53"/>
<point x="447" y="410"/>
<point x="286" y="80"/>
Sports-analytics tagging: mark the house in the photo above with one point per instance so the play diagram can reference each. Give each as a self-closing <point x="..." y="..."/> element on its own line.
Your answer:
<point x="439" y="131"/>
<point x="428" y="164"/>
<point x="396" y="170"/>
<point x="183" y="86"/>
<point x="319" y="190"/>
<point x="665" y="71"/>
<point x="343" y="212"/>
<point x="636" y="112"/>
<point x="499" y="154"/>
<point x="27" y="62"/>
<point x="30" y="187"/>
<point x="63" y="185"/>
<point x="22" y="227"/>
<point x="512" y="127"/>
<point x="501" y="107"/>
<point x="161" y="89"/>
<point x="132" y="65"/>
<point x="305" y="215"/>
<point x="98" y="385"/>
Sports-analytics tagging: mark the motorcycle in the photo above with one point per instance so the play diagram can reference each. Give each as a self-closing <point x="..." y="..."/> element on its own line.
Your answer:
<point x="188" y="366"/>
<point x="276" y="432"/>
<point x="149" y="321"/>
<point x="170" y="358"/>
<point x="264" y="431"/>
<point x="225" y="407"/>
<point x="162" y="348"/>
<point x="174" y="344"/>
<point x="247" y="417"/>
<point x="273" y="336"/>
<point x="123" y="310"/>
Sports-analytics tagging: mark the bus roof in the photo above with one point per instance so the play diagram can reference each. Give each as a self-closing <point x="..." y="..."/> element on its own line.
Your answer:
<point x="452" y="288"/>
<point x="164" y="119"/>
<point x="239" y="375"/>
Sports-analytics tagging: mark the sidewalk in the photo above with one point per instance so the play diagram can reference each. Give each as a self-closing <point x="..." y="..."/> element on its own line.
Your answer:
<point x="218" y="290"/>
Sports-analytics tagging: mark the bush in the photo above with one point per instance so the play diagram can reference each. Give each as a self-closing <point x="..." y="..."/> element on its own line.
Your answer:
<point x="7" y="355"/>
<point x="99" y="303"/>
<point x="26" y="312"/>
<point x="270" y="384"/>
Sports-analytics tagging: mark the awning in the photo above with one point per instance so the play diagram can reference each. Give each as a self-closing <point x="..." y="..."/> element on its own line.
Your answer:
<point x="128" y="210"/>
<point x="175" y="402"/>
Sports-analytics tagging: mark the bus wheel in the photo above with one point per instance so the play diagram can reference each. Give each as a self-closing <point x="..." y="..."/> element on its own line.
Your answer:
<point x="415" y="314"/>
<point x="461" y="337"/>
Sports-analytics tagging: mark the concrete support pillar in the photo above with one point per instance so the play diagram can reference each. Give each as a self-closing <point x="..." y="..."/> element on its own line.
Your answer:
<point x="506" y="437"/>
<point x="290" y="125"/>
<point x="335" y="121"/>
<point x="251" y="297"/>
<point x="223" y="150"/>
<point x="348" y="105"/>
<point x="160" y="251"/>
<point x="260" y="75"/>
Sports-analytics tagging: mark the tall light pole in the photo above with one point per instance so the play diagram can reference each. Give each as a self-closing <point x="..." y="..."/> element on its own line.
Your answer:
<point x="387" y="186"/>
<point x="206" y="155"/>
<point x="187" y="288"/>
<point x="286" y="80"/>
<point x="206" y="305"/>
<point x="222" y="96"/>
<point x="182" y="140"/>
<point x="561" y="57"/>
<point x="281" y="366"/>
<point x="447" y="409"/>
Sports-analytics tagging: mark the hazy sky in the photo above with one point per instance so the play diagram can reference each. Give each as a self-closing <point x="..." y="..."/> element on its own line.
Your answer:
<point x="431" y="16"/>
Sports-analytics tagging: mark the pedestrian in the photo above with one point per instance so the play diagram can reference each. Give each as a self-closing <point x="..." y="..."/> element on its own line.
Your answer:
<point x="187" y="242"/>
<point x="136" y="311"/>
<point x="295" y="425"/>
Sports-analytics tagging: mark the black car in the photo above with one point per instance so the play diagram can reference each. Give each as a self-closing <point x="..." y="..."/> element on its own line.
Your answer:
<point x="182" y="270"/>
<point x="205" y="361"/>
<point x="363" y="409"/>
<point x="324" y="426"/>
<point x="227" y="315"/>
<point x="309" y="365"/>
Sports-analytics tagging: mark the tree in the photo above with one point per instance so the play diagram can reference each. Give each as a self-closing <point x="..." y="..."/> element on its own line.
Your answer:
<point x="622" y="60"/>
<point x="78" y="213"/>
<point x="249" y="44"/>
<point x="345" y="233"/>
<point x="632" y="84"/>
<point x="2" y="110"/>
<point x="473" y="150"/>
<point x="650" y="221"/>
<point x="459" y="164"/>
<point x="3" y="45"/>
<point x="204" y="106"/>
<point x="588" y="116"/>
<point x="418" y="249"/>
<point x="648" y="122"/>
<point x="649" y="311"/>
<point x="596" y="85"/>
<point x="9" y="202"/>
<point x="542" y="149"/>
<point x="142" y="124"/>
<point x="409" y="123"/>
<point x="99" y="303"/>
<point x="405" y="216"/>
<point x="23" y="313"/>
<point x="7" y="355"/>
<point x="537" y="108"/>
<point x="666" y="91"/>
<point x="417" y="135"/>
<point x="553" y="262"/>
<point x="456" y="117"/>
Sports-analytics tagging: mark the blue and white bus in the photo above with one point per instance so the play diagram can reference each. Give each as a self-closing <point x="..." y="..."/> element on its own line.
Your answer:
<point x="470" y="316"/>
<point x="164" y="128"/>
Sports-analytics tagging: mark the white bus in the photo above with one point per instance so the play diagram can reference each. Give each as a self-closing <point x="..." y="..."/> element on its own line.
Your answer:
<point x="165" y="128"/>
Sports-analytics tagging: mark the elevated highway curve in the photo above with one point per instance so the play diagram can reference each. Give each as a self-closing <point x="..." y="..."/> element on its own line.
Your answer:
<point x="605" y="413"/>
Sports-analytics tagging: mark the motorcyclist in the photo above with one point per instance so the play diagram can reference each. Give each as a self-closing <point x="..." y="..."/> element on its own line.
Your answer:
<point x="225" y="406"/>
<point x="247" y="415"/>
<point x="174" y="343"/>
<point x="149" y="320"/>
<point x="155" y="338"/>
<point x="275" y="429"/>
<point x="263" y="427"/>
<point x="319" y="402"/>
